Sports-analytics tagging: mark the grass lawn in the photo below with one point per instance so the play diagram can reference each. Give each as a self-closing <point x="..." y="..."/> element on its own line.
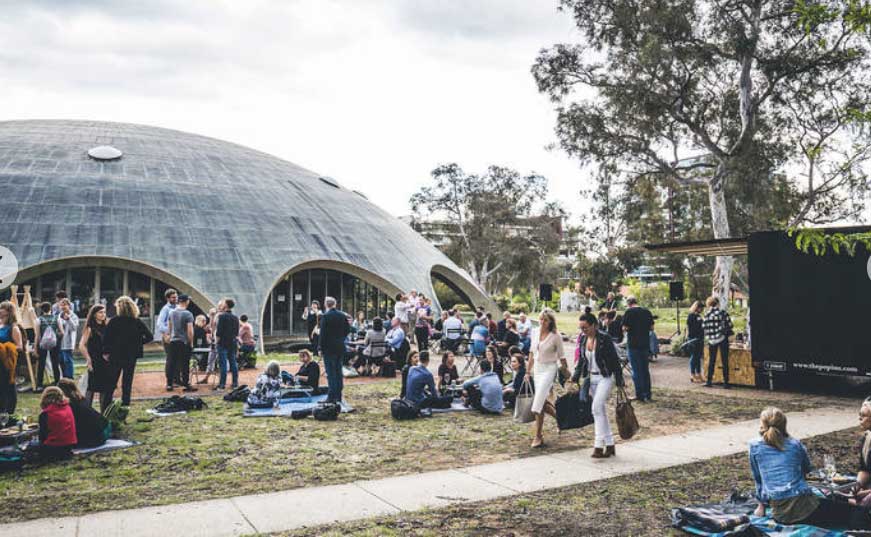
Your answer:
<point x="666" y="321"/>
<point x="621" y="506"/>
<point x="218" y="453"/>
<point x="157" y="361"/>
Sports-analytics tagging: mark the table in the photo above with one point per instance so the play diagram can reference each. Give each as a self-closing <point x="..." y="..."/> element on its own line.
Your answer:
<point x="10" y="435"/>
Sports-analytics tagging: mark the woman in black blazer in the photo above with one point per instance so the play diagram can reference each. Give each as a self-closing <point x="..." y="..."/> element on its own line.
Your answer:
<point x="125" y="336"/>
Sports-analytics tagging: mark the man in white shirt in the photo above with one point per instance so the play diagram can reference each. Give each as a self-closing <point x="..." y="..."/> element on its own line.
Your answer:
<point x="400" y="311"/>
<point x="524" y="329"/>
<point x="453" y="331"/>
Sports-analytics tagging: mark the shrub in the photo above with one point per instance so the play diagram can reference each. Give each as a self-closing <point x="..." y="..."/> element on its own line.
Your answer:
<point x="462" y="307"/>
<point x="517" y="307"/>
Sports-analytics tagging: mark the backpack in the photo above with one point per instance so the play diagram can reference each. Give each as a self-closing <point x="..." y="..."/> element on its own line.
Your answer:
<point x="403" y="409"/>
<point x="48" y="340"/>
<point x="238" y="394"/>
<point x="300" y="414"/>
<point x="388" y="369"/>
<point x="327" y="411"/>
<point x="11" y="459"/>
<point x="115" y="414"/>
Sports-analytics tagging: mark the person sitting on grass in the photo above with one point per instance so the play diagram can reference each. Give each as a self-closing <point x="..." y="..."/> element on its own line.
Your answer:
<point x="57" y="427"/>
<point x="421" y="389"/>
<point x="447" y="371"/>
<point x="309" y="373"/>
<point x="862" y="493"/>
<point x="268" y="388"/>
<point x="92" y="429"/>
<point x="518" y="372"/>
<point x="484" y="392"/>
<point x="779" y="463"/>
<point x="491" y="355"/>
<point x="413" y="360"/>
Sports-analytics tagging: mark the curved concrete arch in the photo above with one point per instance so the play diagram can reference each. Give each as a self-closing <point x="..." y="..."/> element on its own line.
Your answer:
<point x="465" y="287"/>
<point x="370" y="277"/>
<point x="122" y="263"/>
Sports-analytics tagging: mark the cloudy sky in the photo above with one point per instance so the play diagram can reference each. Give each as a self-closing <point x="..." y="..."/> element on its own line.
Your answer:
<point x="375" y="93"/>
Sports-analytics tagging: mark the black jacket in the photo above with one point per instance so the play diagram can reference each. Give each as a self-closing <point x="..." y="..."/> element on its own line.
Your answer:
<point x="606" y="359"/>
<point x="694" y="326"/>
<point x="334" y="328"/>
<point x="227" y="330"/>
<point x="124" y="339"/>
<point x="90" y="424"/>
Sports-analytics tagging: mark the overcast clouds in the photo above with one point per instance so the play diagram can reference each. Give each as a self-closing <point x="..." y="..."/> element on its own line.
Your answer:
<point x="373" y="93"/>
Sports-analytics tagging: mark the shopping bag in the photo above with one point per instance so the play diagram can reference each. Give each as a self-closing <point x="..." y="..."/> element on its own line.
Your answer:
<point x="627" y="423"/>
<point x="83" y="382"/>
<point x="523" y="404"/>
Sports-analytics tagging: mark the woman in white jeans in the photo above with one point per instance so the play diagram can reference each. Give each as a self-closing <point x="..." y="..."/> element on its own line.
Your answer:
<point x="598" y="360"/>
<point x="545" y="357"/>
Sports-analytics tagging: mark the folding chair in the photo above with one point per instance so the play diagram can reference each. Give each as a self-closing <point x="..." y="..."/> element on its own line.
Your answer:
<point x="475" y="356"/>
<point x="374" y="346"/>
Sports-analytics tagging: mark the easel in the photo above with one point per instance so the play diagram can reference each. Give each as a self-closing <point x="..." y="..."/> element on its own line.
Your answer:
<point x="27" y="319"/>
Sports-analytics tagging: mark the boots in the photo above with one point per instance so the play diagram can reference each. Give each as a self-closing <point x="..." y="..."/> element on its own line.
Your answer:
<point x="610" y="452"/>
<point x="598" y="453"/>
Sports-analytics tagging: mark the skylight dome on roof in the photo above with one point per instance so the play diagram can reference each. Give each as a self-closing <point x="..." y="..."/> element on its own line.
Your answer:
<point x="104" y="152"/>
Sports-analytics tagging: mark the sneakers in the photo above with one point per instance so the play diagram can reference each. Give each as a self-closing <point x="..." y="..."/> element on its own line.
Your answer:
<point x="168" y="388"/>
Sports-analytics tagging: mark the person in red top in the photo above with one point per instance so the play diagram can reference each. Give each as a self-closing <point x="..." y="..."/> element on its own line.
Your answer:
<point x="57" y="426"/>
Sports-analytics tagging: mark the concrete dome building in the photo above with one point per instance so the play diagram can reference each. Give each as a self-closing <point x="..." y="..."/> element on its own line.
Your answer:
<point x="105" y="209"/>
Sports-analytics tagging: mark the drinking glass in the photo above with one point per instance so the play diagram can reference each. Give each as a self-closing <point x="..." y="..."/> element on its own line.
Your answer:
<point x="829" y="467"/>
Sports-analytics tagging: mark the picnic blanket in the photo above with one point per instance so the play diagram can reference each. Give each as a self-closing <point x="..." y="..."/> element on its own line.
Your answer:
<point x="734" y="518"/>
<point x="456" y="406"/>
<point x="110" y="445"/>
<point x="287" y="406"/>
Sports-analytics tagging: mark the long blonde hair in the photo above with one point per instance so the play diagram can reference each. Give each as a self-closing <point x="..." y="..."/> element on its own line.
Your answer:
<point x="772" y="427"/>
<point x="551" y="321"/>
<point x="125" y="307"/>
<point x="9" y="308"/>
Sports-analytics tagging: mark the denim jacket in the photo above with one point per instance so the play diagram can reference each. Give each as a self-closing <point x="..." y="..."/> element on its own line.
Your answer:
<point x="779" y="475"/>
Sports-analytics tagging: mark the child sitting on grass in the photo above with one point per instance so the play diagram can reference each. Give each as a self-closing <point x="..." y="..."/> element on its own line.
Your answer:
<point x="57" y="427"/>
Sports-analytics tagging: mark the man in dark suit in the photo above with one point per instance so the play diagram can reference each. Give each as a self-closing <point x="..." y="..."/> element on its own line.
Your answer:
<point x="334" y="329"/>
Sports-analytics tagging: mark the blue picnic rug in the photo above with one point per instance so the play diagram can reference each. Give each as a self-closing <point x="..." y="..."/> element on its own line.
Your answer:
<point x="287" y="406"/>
<point x="767" y="526"/>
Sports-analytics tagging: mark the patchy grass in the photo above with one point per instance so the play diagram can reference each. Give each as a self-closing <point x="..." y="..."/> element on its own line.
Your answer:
<point x="218" y="453"/>
<point x="639" y="506"/>
<point x="156" y="361"/>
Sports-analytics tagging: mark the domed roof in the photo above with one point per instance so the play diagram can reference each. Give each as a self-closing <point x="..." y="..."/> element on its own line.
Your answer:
<point x="225" y="219"/>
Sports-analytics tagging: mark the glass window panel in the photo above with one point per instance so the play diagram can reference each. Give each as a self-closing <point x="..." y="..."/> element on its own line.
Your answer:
<point x="281" y="300"/>
<point x="300" y="300"/>
<point x="111" y="288"/>
<point x="318" y="286"/>
<point x="348" y="295"/>
<point x="140" y="291"/>
<point x="334" y="284"/>
<point x="82" y="292"/>
<point x="52" y="283"/>
<point x="372" y="302"/>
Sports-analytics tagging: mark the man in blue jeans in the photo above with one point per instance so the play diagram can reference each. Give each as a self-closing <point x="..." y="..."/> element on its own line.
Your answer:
<point x="227" y="334"/>
<point x="334" y="328"/>
<point x="637" y="323"/>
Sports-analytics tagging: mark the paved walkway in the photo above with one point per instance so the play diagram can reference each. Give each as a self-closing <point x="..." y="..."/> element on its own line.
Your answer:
<point x="298" y="508"/>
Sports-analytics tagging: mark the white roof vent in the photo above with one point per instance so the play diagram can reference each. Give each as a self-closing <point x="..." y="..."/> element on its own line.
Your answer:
<point x="104" y="152"/>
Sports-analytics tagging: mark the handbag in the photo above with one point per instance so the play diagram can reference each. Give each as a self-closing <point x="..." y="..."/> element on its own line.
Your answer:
<point x="627" y="423"/>
<point x="523" y="404"/>
<point x="572" y="412"/>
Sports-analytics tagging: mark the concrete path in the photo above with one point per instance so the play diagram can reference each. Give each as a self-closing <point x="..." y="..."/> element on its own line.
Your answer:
<point x="264" y="513"/>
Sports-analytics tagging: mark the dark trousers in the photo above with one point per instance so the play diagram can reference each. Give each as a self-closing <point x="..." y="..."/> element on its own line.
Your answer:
<point x="125" y="367"/>
<point x="168" y="368"/>
<point x="8" y="393"/>
<point x="831" y="514"/>
<point x="180" y="363"/>
<point x="696" y="357"/>
<point x="421" y="334"/>
<point x="44" y="356"/>
<point x="638" y="358"/>
<point x="436" y="401"/>
<point x="335" y="380"/>
<point x="723" y="347"/>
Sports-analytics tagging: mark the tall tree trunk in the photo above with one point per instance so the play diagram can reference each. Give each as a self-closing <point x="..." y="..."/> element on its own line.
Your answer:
<point x="720" y="222"/>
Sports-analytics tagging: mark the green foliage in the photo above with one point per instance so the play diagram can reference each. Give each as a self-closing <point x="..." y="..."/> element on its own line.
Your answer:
<point x="650" y="295"/>
<point x="819" y="241"/>
<point x="518" y="307"/>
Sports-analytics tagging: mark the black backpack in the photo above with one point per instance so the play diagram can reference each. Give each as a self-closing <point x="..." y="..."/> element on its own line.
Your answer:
<point x="388" y="369"/>
<point x="238" y="394"/>
<point x="327" y="411"/>
<point x="180" y="404"/>
<point x="403" y="409"/>
<point x="300" y="414"/>
<point x="11" y="459"/>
